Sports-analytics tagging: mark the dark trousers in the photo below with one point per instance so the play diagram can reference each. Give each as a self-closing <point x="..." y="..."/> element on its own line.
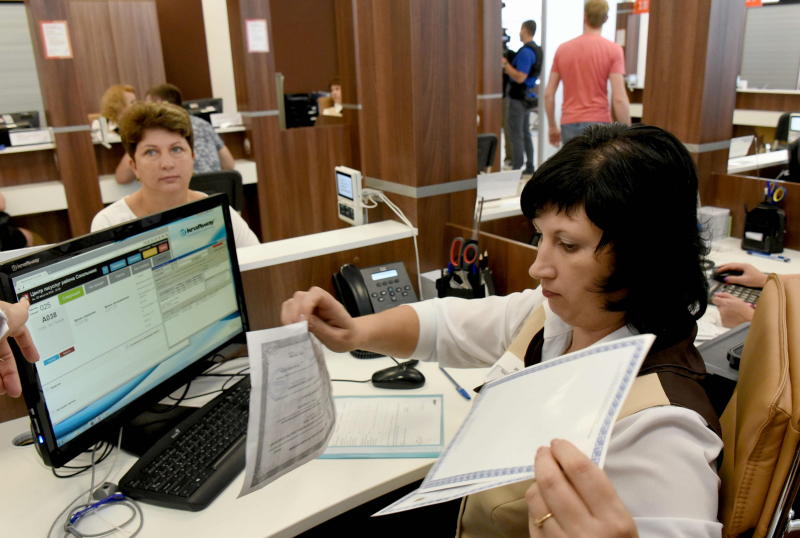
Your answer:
<point x="518" y="121"/>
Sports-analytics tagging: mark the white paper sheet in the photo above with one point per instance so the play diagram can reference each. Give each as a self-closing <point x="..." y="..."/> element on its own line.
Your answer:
<point x="496" y="185"/>
<point x="576" y="397"/>
<point x="403" y="426"/>
<point x="291" y="408"/>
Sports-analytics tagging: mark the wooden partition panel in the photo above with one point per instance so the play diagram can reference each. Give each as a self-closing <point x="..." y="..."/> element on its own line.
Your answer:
<point x="509" y="260"/>
<point x="305" y="44"/>
<point x="28" y="167"/>
<point x="490" y="90"/>
<point x="63" y="96"/>
<point x="779" y="102"/>
<point x="301" y="195"/>
<point x="183" y="40"/>
<point x="265" y="289"/>
<point x="736" y="192"/>
<point x="115" y="43"/>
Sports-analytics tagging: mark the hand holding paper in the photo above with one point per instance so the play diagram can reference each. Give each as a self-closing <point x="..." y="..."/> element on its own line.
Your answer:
<point x="575" y="397"/>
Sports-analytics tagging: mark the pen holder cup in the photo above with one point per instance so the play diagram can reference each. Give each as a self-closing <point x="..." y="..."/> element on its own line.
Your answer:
<point x="465" y="284"/>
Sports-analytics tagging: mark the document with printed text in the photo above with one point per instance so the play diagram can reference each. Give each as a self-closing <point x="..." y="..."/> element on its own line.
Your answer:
<point x="291" y="408"/>
<point x="403" y="426"/>
<point x="576" y="397"/>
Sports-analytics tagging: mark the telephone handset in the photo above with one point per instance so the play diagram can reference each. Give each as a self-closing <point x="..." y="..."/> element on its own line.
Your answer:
<point x="373" y="289"/>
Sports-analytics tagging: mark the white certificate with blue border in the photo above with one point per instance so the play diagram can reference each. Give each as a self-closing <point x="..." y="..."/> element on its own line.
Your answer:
<point x="402" y="426"/>
<point x="576" y="397"/>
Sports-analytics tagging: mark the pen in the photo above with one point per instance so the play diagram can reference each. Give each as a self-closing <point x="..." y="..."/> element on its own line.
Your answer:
<point x="771" y="256"/>
<point x="460" y="390"/>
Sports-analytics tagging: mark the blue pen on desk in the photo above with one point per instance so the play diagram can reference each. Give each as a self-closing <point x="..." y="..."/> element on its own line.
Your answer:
<point x="777" y="257"/>
<point x="458" y="387"/>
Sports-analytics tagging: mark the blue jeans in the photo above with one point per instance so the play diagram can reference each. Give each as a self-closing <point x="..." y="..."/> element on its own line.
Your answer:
<point x="518" y="121"/>
<point x="571" y="130"/>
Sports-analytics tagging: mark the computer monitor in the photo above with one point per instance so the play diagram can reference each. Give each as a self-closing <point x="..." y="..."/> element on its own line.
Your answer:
<point x="794" y="127"/>
<point x="121" y="318"/>
<point x="300" y="110"/>
<point x="10" y="121"/>
<point x="20" y="120"/>
<point x="203" y="108"/>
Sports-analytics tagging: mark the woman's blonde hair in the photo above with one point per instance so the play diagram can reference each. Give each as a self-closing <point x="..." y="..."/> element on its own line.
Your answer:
<point x="113" y="101"/>
<point x="147" y="115"/>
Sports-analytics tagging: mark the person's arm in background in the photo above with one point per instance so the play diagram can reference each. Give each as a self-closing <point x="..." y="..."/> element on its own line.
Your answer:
<point x="123" y="174"/>
<point x="12" y="325"/>
<point x="226" y="160"/>
<point x="392" y="332"/>
<point x="553" y="130"/>
<point x="577" y="494"/>
<point x="620" y="105"/>
<point x="516" y="76"/>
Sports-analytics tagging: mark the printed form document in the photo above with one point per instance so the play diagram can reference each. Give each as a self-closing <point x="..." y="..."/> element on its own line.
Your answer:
<point x="576" y="397"/>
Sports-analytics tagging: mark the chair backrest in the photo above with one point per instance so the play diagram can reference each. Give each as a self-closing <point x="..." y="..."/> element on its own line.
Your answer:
<point x="760" y="424"/>
<point x="224" y="181"/>
<point x="782" y="129"/>
<point x="487" y="144"/>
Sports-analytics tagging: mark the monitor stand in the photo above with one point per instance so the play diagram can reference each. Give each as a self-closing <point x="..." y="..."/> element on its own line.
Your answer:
<point x="145" y="429"/>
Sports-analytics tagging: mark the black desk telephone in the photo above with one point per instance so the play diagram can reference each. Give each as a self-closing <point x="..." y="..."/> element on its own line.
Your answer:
<point x="371" y="290"/>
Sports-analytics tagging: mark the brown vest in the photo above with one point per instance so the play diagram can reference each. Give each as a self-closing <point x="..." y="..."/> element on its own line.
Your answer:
<point x="670" y="375"/>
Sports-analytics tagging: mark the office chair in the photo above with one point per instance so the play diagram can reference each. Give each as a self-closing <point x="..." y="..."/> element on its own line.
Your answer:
<point x="224" y="181"/>
<point x="487" y="145"/>
<point x="782" y="130"/>
<point x="760" y="431"/>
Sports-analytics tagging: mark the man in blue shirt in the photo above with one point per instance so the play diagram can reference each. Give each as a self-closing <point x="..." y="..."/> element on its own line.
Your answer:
<point x="523" y="73"/>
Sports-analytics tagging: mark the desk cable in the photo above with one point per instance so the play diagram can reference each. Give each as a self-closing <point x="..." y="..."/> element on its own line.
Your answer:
<point x="370" y="199"/>
<point x="406" y="364"/>
<point x="97" y="499"/>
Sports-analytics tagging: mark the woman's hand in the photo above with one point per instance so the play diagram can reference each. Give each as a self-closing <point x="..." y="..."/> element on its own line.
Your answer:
<point x="16" y="316"/>
<point x="733" y="311"/>
<point x="327" y="318"/>
<point x="750" y="275"/>
<point x="573" y="497"/>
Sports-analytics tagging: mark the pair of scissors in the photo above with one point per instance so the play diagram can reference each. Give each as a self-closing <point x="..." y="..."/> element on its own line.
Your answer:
<point x="464" y="254"/>
<point x="775" y="193"/>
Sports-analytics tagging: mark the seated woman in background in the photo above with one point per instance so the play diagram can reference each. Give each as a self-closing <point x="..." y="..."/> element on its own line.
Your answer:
<point x="158" y="140"/>
<point x="609" y="205"/>
<point x="113" y="104"/>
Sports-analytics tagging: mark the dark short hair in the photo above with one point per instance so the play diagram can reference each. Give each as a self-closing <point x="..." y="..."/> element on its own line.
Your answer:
<point x="167" y="92"/>
<point x="140" y="117"/>
<point x="639" y="186"/>
<point x="530" y="27"/>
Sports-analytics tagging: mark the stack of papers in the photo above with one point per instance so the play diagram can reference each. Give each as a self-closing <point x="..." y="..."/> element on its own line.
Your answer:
<point x="576" y="397"/>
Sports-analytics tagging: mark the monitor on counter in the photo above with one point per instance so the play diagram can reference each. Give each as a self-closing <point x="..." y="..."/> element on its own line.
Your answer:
<point x="203" y="108"/>
<point x="121" y="318"/>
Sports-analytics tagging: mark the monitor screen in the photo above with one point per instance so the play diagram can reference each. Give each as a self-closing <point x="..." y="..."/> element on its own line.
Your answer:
<point x="122" y="317"/>
<point x="203" y="108"/>
<point x="794" y="127"/>
<point x="344" y="185"/>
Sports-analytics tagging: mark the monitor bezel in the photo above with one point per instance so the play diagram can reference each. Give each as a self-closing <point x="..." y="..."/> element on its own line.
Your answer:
<point x="52" y="454"/>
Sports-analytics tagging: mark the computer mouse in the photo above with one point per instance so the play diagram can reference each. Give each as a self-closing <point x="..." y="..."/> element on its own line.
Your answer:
<point x="722" y="275"/>
<point x="398" y="377"/>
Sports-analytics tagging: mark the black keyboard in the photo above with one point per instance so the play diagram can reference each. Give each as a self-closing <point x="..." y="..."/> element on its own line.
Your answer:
<point x="748" y="295"/>
<point x="190" y="465"/>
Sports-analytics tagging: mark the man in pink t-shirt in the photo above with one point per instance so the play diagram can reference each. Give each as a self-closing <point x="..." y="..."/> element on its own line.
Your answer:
<point x="585" y="64"/>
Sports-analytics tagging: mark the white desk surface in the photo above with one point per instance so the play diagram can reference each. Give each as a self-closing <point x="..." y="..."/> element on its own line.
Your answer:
<point x="31" y="496"/>
<point x="308" y="246"/>
<point x="757" y="161"/>
<point x="50" y="195"/>
<point x="509" y="207"/>
<point x="754" y="118"/>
